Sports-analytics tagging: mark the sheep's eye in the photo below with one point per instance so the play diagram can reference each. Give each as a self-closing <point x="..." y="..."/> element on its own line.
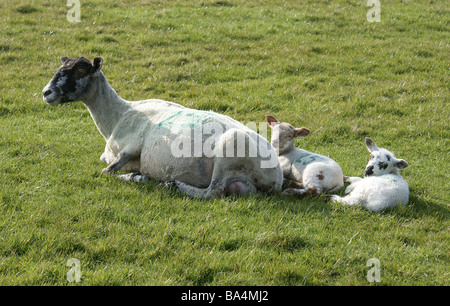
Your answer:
<point x="371" y="156"/>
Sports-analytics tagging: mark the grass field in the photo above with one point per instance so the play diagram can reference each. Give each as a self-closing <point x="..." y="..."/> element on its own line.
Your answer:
<point x="318" y="64"/>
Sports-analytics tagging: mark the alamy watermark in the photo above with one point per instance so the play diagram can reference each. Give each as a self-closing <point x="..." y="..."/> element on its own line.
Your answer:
<point x="374" y="14"/>
<point x="374" y="274"/>
<point x="216" y="139"/>
<point x="74" y="14"/>
<point x="74" y="274"/>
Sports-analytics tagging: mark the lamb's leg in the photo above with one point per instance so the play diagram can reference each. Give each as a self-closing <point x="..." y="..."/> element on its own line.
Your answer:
<point x="348" y="200"/>
<point x="353" y="183"/>
<point x="335" y="189"/>
<point x="292" y="184"/>
<point x="351" y="179"/>
<point x="302" y="192"/>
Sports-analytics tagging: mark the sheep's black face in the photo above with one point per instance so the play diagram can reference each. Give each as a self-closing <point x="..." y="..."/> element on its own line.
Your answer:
<point x="71" y="81"/>
<point x="382" y="161"/>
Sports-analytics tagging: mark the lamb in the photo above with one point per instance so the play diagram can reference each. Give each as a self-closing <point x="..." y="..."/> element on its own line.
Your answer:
<point x="146" y="137"/>
<point x="310" y="172"/>
<point x="382" y="186"/>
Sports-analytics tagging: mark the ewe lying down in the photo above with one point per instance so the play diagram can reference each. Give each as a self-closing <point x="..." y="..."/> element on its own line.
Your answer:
<point x="204" y="154"/>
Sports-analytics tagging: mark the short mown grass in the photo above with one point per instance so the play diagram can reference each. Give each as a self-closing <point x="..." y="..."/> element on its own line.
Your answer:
<point x="318" y="64"/>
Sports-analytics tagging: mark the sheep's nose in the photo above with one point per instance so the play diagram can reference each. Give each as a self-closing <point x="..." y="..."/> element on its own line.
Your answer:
<point x="368" y="171"/>
<point x="47" y="92"/>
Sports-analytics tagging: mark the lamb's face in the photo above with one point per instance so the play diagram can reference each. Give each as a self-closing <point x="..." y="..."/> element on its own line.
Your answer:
<point x="284" y="134"/>
<point x="71" y="81"/>
<point x="382" y="161"/>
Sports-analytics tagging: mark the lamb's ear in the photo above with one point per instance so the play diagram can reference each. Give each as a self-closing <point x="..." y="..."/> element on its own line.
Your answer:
<point x="97" y="65"/>
<point x="401" y="164"/>
<point x="301" y="132"/>
<point x="371" y="146"/>
<point x="271" y="120"/>
<point x="64" y="59"/>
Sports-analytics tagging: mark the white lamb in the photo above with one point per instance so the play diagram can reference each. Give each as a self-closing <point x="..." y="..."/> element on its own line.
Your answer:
<point x="382" y="187"/>
<point x="311" y="173"/>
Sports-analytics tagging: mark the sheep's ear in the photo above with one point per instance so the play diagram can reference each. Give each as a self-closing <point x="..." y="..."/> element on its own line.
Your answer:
<point x="301" y="132"/>
<point x="97" y="65"/>
<point x="272" y="121"/>
<point x="64" y="59"/>
<point x="401" y="164"/>
<point x="371" y="146"/>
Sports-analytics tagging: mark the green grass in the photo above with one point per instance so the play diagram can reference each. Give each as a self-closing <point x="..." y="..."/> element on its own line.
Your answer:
<point x="317" y="64"/>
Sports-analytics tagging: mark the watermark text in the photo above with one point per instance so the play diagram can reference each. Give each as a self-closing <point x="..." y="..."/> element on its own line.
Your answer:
<point x="74" y="274"/>
<point x="374" y="274"/>
<point x="374" y="13"/>
<point x="74" y="14"/>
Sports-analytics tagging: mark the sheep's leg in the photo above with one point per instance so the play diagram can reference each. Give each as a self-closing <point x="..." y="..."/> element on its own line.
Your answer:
<point x="292" y="184"/>
<point x="348" y="200"/>
<point x="349" y="189"/>
<point x="351" y="179"/>
<point x="302" y="192"/>
<point x="190" y="190"/>
<point x="353" y="183"/>
<point x="121" y="160"/>
<point x="133" y="177"/>
<point x="335" y="189"/>
<point x="214" y="190"/>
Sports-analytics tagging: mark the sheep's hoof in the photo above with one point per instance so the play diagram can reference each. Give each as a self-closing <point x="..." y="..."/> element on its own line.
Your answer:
<point x="168" y="185"/>
<point x="139" y="178"/>
<point x="289" y="192"/>
<point x="328" y="198"/>
<point x="332" y="198"/>
<point x="109" y="170"/>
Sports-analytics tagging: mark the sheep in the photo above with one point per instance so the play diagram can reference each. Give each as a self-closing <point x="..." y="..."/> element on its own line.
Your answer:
<point x="145" y="138"/>
<point x="310" y="173"/>
<point x="382" y="186"/>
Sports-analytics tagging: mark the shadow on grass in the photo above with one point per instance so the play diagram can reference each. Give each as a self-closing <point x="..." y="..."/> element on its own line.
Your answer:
<point x="417" y="207"/>
<point x="259" y="202"/>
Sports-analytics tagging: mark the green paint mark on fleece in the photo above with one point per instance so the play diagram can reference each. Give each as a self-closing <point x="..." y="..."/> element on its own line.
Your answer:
<point x="309" y="158"/>
<point x="187" y="118"/>
<point x="169" y="120"/>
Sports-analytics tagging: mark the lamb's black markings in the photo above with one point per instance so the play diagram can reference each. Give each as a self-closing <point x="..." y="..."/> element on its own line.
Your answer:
<point x="382" y="165"/>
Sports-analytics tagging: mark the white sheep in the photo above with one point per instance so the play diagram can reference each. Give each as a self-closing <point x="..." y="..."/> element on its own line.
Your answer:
<point x="312" y="173"/>
<point x="382" y="187"/>
<point x="161" y="139"/>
